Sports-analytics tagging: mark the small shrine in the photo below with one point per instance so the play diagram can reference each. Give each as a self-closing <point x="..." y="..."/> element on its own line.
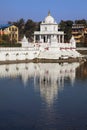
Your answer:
<point x="25" y="42"/>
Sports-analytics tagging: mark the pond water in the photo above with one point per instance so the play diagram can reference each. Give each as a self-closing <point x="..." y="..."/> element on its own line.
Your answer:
<point x="43" y="96"/>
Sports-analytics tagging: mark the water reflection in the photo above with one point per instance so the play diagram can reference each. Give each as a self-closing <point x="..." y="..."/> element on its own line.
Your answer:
<point x="81" y="72"/>
<point x="49" y="78"/>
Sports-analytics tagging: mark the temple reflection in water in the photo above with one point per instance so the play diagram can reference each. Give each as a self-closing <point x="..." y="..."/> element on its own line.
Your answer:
<point x="48" y="78"/>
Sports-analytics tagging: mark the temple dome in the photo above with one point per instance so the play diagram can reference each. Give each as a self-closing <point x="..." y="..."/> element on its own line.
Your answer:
<point x="49" y="19"/>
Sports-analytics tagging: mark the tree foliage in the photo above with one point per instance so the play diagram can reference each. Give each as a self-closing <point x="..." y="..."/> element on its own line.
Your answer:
<point x="83" y="21"/>
<point x="28" y="27"/>
<point x="66" y="26"/>
<point x="4" y="38"/>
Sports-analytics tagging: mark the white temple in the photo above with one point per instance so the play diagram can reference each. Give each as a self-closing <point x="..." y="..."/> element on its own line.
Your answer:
<point x="49" y="31"/>
<point x="51" y="41"/>
<point x="48" y="44"/>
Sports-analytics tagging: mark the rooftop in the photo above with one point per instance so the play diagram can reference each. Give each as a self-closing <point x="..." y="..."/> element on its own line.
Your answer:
<point x="3" y="26"/>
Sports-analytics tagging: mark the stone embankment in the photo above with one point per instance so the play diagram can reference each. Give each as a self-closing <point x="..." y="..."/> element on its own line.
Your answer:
<point x="69" y="60"/>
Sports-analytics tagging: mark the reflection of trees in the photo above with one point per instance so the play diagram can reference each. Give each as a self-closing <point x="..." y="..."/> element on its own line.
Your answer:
<point x="81" y="72"/>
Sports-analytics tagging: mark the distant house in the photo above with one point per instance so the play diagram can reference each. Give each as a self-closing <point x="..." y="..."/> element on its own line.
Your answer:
<point x="10" y="30"/>
<point x="79" y="31"/>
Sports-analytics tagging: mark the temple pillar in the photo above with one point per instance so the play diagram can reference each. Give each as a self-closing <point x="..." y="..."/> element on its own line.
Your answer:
<point x="62" y="38"/>
<point x="51" y="38"/>
<point x="45" y="38"/>
<point x="40" y="38"/>
<point x="59" y="38"/>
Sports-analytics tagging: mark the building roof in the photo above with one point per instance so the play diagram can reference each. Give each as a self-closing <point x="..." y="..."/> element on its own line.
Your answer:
<point x="3" y="26"/>
<point x="77" y="26"/>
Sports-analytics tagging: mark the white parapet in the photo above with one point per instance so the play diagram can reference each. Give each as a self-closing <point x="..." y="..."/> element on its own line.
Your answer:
<point x="11" y="54"/>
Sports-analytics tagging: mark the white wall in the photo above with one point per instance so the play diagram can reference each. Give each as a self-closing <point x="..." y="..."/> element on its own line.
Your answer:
<point x="49" y="28"/>
<point x="17" y="53"/>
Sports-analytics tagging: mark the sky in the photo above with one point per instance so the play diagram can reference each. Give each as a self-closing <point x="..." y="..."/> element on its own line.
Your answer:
<point x="37" y="10"/>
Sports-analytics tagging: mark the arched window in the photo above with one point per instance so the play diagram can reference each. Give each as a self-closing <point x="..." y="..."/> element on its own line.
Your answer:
<point x="17" y="54"/>
<point x="7" y="54"/>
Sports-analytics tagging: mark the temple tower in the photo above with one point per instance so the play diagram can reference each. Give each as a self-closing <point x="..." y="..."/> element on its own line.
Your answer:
<point x="49" y="31"/>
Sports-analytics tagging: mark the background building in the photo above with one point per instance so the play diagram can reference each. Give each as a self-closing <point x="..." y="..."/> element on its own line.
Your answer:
<point x="10" y="30"/>
<point x="79" y="31"/>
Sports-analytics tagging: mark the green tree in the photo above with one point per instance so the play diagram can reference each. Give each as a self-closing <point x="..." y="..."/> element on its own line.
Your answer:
<point x="30" y="27"/>
<point x="83" y="21"/>
<point x="26" y="28"/>
<point x="66" y="26"/>
<point x="21" y="25"/>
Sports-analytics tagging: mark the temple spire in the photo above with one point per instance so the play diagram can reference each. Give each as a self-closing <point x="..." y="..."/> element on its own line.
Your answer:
<point x="49" y="13"/>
